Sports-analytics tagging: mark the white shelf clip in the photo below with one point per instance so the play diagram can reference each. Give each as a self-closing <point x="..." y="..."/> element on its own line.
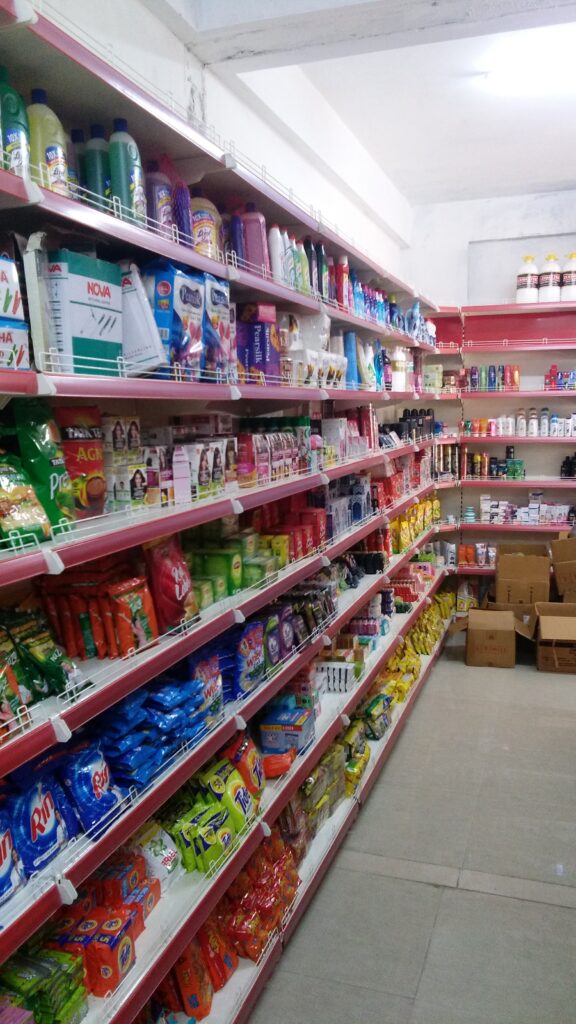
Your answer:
<point x="266" y="830"/>
<point x="45" y="385"/>
<point x="325" y="561"/>
<point x="66" y="890"/>
<point x="324" y="396"/>
<point x="61" y="729"/>
<point x="345" y="719"/>
<point x="237" y="507"/>
<point x="229" y="161"/>
<point x="239" y="722"/>
<point x="233" y="273"/>
<point x="239" y="616"/>
<point x="54" y="564"/>
<point x="324" y="479"/>
<point x="428" y="601"/>
<point x="326" y="640"/>
<point x="235" y="393"/>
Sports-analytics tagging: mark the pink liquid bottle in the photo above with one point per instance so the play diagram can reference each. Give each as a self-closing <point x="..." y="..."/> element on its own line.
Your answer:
<point x="255" y="240"/>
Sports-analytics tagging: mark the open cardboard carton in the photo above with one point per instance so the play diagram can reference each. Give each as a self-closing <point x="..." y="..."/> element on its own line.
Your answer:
<point x="564" y="563"/>
<point x="556" y="637"/>
<point x="522" y="574"/>
<point x="491" y="636"/>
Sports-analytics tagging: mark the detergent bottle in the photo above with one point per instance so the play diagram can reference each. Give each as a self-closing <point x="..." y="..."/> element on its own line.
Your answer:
<point x="276" y="252"/>
<point x="159" y="198"/>
<point x="97" y="168"/>
<point x="78" y="148"/>
<point x="527" y="280"/>
<point x="237" y="241"/>
<point x="126" y="174"/>
<point x="289" y="268"/>
<point x="205" y="224"/>
<point x="15" y="137"/>
<point x="47" y="145"/>
<point x="304" y="265"/>
<point x="255" y="239"/>
<point x="568" y="293"/>
<point x="322" y="264"/>
<point x="549" y="280"/>
<point x="312" y="264"/>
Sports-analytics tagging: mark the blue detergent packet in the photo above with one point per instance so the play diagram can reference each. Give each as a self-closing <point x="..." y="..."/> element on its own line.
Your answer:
<point x="167" y="695"/>
<point x="141" y="775"/>
<point x="133" y="758"/>
<point x="250" y="661"/>
<point x="12" y="873"/>
<point x="117" y="746"/>
<point x="43" y="821"/>
<point x="167" y="721"/>
<point x="89" y="783"/>
<point x="217" y="357"/>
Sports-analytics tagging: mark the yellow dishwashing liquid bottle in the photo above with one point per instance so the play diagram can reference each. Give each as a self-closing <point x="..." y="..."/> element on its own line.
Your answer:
<point x="49" y="165"/>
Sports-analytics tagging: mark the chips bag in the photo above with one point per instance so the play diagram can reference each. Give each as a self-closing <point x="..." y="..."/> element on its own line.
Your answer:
<point x="21" y="513"/>
<point x="134" y="615"/>
<point x="218" y="955"/>
<point x="170" y="581"/>
<point x="43" y="458"/>
<point x="194" y="983"/>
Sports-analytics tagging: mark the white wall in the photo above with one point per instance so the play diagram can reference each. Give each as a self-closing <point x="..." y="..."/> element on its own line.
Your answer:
<point x="442" y="233"/>
<point x="143" y="48"/>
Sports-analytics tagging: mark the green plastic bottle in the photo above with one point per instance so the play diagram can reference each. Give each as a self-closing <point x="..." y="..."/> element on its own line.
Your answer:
<point x="48" y="145"/>
<point x="97" y="169"/>
<point x="14" y="128"/>
<point x="127" y="176"/>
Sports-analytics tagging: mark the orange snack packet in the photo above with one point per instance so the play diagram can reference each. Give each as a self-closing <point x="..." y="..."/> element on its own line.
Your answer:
<point x="134" y="614"/>
<point x="193" y="980"/>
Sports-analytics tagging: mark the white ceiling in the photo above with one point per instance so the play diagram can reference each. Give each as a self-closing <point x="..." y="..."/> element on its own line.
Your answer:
<point x="426" y="115"/>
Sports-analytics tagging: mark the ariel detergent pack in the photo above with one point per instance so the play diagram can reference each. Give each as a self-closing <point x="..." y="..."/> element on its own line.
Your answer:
<point x="86" y="307"/>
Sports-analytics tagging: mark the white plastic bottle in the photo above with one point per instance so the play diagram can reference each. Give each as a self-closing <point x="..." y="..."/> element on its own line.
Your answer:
<point x="398" y="360"/>
<point x="289" y="269"/>
<point x="521" y="428"/>
<point x="276" y="253"/>
<point x="549" y="280"/>
<point x="568" y="289"/>
<point x="527" y="280"/>
<point x="544" y="422"/>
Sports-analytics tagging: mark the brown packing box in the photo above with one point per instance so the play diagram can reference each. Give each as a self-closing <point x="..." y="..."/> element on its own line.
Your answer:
<point x="564" y="563"/>
<point x="522" y="573"/>
<point x="491" y="638"/>
<point x="556" y="646"/>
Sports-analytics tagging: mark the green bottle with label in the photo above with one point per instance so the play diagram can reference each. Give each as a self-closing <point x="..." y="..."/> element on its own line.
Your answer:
<point x="14" y="128"/>
<point x="97" y="169"/>
<point x="48" y="145"/>
<point x="127" y="176"/>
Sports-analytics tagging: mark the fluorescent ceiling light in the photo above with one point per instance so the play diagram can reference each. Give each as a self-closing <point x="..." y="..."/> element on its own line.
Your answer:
<point x="537" y="62"/>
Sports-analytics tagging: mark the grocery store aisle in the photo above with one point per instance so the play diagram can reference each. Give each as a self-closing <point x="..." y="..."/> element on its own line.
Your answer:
<point x="453" y="900"/>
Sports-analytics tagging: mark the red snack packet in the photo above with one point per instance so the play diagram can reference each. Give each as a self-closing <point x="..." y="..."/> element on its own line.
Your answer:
<point x="244" y="755"/>
<point x="97" y="626"/>
<point x="193" y="980"/>
<point x="218" y="955"/>
<point x="168" y="994"/>
<point x="105" y="606"/>
<point x="170" y="582"/>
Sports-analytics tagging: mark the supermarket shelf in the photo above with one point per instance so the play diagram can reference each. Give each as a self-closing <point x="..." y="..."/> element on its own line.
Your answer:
<point x="18" y="382"/>
<point x="490" y="439"/>
<point x="319" y="857"/>
<point x="381" y="749"/>
<point x="515" y="527"/>
<point x="104" y="535"/>
<point x="519" y="395"/>
<point x="474" y="570"/>
<point x="550" y="483"/>
<point x="518" y="309"/>
<point x="506" y="345"/>
<point x="234" y="1003"/>
<point x="172" y="924"/>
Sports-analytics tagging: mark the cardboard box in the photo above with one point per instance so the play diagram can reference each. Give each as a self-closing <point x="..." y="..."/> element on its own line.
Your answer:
<point x="522" y="574"/>
<point x="491" y="639"/>
<point x="564" y="564"/>
<point x="556" y="637"/>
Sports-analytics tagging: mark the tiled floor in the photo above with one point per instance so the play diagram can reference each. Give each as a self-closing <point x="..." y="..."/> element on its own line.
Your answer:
<point x="453" y="899"/>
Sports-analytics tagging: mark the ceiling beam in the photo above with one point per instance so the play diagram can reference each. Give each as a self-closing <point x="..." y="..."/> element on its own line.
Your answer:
<point x="259" y="34"/>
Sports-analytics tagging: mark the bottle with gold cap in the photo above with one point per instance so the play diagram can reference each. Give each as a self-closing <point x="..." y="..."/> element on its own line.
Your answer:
<point x="527" y="280"/>
<point x="549" y="280"/>
<point x="568" y="289"/>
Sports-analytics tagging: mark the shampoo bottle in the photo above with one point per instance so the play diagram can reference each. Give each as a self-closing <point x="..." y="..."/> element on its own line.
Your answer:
<point x="127" y="176"/>
<point x="97" y="168"/>
<point x="47" y="145"/>
<point x="312" y="264"/>
<point x="14" y="128"/>
<point x="304" y="266"/>
<point x="342" y="282"/>
<point x="289" y="268"/>
<point x="322" y="263"/>
<point x="237" y="237"/>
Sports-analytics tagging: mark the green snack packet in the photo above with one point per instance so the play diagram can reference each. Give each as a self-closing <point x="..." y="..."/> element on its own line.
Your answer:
<point x="18" y="685"/>
<point x="21" y="514"/>
<point x="225" y="786"/>
<point x="43" y="458"/>
<point x="213" y="834"/>
<point x="42" y="657"/>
